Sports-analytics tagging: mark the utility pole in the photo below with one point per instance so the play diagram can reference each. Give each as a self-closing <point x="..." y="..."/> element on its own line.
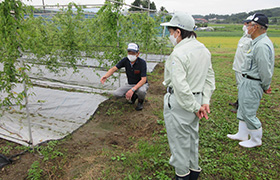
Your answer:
<point x="44" y="6"/>
<point x="149" y="3"/>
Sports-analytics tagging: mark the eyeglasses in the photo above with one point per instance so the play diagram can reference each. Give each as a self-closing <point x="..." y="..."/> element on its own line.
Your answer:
<point x="250" y="25"/>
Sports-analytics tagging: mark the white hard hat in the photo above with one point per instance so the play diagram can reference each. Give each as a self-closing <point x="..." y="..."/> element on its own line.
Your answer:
<point x="181" y="20"/>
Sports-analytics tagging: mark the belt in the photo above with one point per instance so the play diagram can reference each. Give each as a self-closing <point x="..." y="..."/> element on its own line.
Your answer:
<point x="250" y="77"/>
<point x="171" y="91"/>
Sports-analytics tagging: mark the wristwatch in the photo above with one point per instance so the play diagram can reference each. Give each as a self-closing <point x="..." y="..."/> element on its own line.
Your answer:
<point x="132" y="89"/>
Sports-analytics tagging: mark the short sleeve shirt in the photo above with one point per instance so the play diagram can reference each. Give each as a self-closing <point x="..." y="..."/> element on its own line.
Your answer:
<point x="134" y="72"/>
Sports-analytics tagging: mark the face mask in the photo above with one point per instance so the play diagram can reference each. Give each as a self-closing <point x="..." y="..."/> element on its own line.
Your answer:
<point x="173" y="39"/>
<point x="132" y="57"/>
<point x="244" y="28"/>
<point x="247" y="33"/>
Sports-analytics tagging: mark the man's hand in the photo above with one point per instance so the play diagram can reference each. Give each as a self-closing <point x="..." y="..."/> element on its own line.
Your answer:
<point x="202" y="113"/>
<point x="129" y="94"/>
<point x="206" y="107"/>
<point x="268" y="91"/>
<point x="103" y="79"/>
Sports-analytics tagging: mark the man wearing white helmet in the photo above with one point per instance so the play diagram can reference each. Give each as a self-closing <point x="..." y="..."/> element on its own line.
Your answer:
<point x="257" y="71"/>
<point x="190" y="82"/>
<point x="241" y="51"/>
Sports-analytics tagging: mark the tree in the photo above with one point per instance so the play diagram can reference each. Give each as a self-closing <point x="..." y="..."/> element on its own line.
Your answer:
<point x="163" y="9"/>
<point x="274" y="21"/>
<point x="142" y="3"/>
<point x="11" y="40"/>
<point x="135" y="3"/>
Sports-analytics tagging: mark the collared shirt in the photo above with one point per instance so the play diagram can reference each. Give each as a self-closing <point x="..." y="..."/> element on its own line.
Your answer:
<point x="133" y="72"/>
<point x="259" y="62"/>
<point x="242" y="48"/>
<point x="187" y="70"/>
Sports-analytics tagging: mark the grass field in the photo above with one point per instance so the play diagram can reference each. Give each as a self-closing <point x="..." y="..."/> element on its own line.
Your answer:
<point x="222" y="157"/>
<point x="234" y="30"/>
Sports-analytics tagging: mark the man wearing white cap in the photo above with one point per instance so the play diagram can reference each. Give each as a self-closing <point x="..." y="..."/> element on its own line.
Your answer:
<point x="257" y="71"/>
<point x="242" y="48"/>
<point x="136" y="72"/>
<point x="190" y="82"/>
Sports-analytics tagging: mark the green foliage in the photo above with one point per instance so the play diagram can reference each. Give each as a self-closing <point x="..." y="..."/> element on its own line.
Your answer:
<point x="49" y="151"/>
<point x="34" y="173"/>
<point x="119" y="158"/>
<point x="56" y="42"/>
<point x="59" y="41"/>
<point x="11" y="30"/>
<point x="6" y="149"/>
<point x="148" y="158"/>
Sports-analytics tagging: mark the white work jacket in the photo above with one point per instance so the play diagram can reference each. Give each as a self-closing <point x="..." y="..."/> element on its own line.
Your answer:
<point x="189" y="70"/>
<point x="259" y="62"/>
<point x="242" y="48"/>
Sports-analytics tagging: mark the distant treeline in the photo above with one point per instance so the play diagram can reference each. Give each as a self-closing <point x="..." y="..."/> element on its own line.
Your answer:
<point x="272" y="14"/>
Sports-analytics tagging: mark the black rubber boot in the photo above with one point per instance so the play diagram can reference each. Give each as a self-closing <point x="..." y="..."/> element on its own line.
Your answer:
<point x="187" y="177"/>
<point x="194" y="174"/>
<point x="139" y="106"/>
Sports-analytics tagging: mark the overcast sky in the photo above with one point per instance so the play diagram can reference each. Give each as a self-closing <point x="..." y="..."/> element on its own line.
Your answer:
<point x="193" y="7"/>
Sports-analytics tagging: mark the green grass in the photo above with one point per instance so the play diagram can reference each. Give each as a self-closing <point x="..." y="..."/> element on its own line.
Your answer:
<point x="234" y="30"/>
<point x="223" y="158"/>
<point x="239" y="33"/>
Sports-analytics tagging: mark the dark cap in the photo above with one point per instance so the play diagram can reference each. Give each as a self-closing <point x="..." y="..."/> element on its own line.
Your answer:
<point x="258" y="18"/>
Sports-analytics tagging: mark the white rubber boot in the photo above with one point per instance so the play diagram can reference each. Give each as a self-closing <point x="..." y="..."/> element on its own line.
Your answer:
<point x="255" y="140"/>
<point x="242" y="134"/>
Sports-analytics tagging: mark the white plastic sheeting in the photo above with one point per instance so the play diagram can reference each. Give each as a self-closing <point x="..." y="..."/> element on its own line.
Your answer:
<point x="57" y="113"/>
<point x="53" y="115"/>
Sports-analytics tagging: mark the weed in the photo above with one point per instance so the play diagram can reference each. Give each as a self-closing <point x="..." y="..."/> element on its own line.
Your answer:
<point x="34" y="173"/>
<point x="5" y="149"/>
<point x="160" y="122"/>
<point x="119" y="158"/>
<point x="49" y="151"/>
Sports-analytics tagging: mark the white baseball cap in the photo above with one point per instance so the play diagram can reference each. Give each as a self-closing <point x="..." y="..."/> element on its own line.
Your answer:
<point x="133" y="47"/>
<point x="181" y="20"/>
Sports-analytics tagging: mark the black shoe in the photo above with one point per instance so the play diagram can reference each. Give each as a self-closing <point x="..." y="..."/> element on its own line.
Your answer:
<point x="234" y="104"/>
<point x="139" y="106"/>
<point x="194" y="174"/>
<point x="187" y="177"/>
<point x="133" y="99"/>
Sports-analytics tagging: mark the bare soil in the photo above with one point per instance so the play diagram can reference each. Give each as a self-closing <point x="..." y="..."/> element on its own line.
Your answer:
<point x="116" y="126"/>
